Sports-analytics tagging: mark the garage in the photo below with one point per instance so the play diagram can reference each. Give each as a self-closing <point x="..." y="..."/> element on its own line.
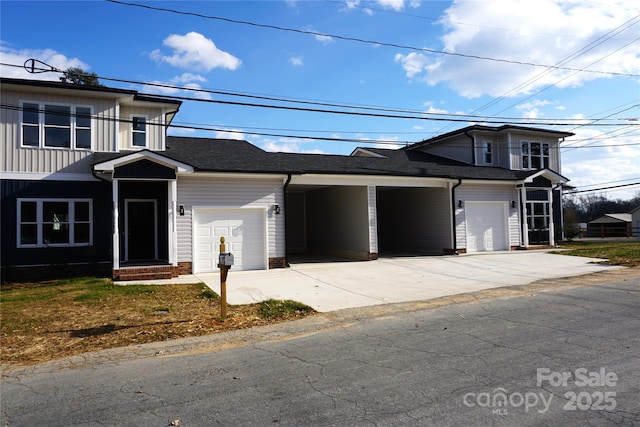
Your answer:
<point x="486" y="226"/>
<point x="244" y="231"/>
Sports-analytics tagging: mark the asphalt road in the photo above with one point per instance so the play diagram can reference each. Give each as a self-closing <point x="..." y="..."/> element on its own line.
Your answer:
<point x="558" y="356"/>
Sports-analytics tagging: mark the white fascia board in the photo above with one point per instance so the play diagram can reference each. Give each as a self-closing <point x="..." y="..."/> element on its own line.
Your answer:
<point x="110" y="165"/>
<point x="364" y="180"/>
<point x="255" y="176"/>
<point x="490" y="182"/>
<point x="549" y="174"/>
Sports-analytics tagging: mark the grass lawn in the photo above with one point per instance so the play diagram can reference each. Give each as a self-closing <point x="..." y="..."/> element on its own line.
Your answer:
<point x="625" y="253"/>
<point x="46" y="321"/>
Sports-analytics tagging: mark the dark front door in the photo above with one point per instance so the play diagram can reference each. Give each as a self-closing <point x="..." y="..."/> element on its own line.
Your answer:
<point x="141" y="230"/>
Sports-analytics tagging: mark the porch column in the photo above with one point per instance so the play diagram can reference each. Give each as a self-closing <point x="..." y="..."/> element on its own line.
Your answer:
<point x="173" y="235"/>
<point x="525" y="226"/>
<point x="551" y="223"/>
<point x="116" y="226"/>
<point x="373" y="220"/>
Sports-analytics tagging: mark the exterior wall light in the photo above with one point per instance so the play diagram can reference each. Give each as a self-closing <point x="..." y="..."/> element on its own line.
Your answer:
<point x="513" y="203"/>
<point x="460" y="203"/>
<point x="276" y="209"/>
<point x="181" y="210"/>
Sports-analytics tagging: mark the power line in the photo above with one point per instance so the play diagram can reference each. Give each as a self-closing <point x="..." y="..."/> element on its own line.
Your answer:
<point x="211" y="128"/>
<point x="602" y="188"/>
<point x="368" y="111"/>
<point x="360" y="40"/>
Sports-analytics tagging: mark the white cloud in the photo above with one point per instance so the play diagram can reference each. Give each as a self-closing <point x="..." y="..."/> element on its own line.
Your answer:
<point x="196" y="52"/>
<point x="230" y="134"/>
<point x="48" y="56"/>
<point x="287" y="145"/>
<point x="603" y="159"/>
<point x="188" y="83"/>
<point x="296" y="61"/>
<point x="398" y="4"/>
<point x="324" y="39"/>
<point x="532" y="31"/>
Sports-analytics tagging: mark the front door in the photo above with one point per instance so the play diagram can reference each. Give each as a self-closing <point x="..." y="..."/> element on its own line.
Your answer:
<point x="141" y="228"/>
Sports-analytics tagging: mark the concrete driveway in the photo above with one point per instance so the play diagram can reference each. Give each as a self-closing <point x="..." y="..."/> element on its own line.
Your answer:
<point x="337" y="285"/>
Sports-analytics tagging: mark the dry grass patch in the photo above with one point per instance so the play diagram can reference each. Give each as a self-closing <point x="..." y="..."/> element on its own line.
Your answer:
<point x="46" y="321"/>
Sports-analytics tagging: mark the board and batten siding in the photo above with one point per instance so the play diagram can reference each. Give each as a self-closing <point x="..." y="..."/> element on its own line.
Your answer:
<point x="516" y="141"/>
<point x="486" y="193"/>
<point x="49" y="160"/>
<point x="155" y="127"/>
<point x="215" y="192"/>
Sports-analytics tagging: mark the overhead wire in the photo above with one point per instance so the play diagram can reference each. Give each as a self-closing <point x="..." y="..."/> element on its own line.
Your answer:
<point x="360" y="40"/>
<point x="211" y="128"/>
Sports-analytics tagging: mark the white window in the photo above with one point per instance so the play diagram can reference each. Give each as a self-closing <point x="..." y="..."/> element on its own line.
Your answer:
<point x="538" y="215"/>
<point x="487" y="152"/>
<point x="535" y="155"/>
<point x="55" y="222"/>
<point x="139" y="131"/>
<point x="56" y="126"/>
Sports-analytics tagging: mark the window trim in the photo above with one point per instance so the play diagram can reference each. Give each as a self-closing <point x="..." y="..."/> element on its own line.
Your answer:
<point x="487" y="149"/>
<point x="531" y="214"/>
<point x="133" y="117"/>
<point x="41" y="126"/>
<point x="529" y="155"/>
<point x="40" y="222"/>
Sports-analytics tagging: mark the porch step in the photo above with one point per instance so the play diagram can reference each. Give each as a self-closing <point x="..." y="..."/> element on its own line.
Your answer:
<point x="145" y="273"/>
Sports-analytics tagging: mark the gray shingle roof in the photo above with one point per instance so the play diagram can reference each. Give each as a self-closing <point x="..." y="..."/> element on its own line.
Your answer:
<point x="227" y="155"/>
<point x="223" y="155"/>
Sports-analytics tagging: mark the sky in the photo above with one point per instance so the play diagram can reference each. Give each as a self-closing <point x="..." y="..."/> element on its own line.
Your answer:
<point x="570" y="65"/>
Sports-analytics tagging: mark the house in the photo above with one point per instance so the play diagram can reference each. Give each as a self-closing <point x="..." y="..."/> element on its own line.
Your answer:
<point x="610" y="225"/>
<point x="90" y="179"/>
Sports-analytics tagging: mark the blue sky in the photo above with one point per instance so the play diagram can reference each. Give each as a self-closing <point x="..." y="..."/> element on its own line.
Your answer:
<point x="486" y="72"/>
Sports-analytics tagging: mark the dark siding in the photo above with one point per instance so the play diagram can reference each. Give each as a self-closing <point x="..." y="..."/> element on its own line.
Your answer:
<point x="146" y="190"/>
<point x="144" y="169"/>
<point x="99" y="191"/>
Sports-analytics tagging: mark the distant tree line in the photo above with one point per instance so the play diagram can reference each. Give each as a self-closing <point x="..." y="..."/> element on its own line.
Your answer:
<point x="587" y="207"/>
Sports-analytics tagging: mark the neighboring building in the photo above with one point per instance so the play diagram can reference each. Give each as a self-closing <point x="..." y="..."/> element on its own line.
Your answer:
<point x="89" y="178"/>
<point x="610" y="225"/>
<point x="635" y="222"/>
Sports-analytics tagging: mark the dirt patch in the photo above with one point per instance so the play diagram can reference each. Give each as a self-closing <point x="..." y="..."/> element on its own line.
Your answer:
<point x="51" y="321"/>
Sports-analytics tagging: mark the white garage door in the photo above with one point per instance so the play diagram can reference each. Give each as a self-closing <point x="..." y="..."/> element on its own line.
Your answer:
<point x="244" y="234"/>
<point x="486" y="227"/>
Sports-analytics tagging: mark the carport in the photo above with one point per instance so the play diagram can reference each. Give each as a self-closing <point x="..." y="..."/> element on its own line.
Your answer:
<point x="359" y="217"/>
<point x="329" y="220"/>
<point x="413" y="220"/>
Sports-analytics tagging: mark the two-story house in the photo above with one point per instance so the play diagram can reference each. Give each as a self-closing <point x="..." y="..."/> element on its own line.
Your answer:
<point x="90" y="178"/>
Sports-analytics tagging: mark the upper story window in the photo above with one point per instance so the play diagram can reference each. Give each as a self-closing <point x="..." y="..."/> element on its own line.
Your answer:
<point x="535" y="155"/>
<point x="47" y="125"/>
<point x="139" y="131"/>
<point x="54" y="222"/>
<point x="487" y="152"/>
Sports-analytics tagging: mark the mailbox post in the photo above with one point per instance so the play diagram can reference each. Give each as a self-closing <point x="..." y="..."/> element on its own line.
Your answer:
<point x="225" y="262"/>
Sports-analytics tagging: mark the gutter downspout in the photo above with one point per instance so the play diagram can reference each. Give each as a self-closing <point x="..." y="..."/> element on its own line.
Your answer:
<point x="284" y="191"/>
<point x="453" y="215"/>
<point x="473" y="147"/>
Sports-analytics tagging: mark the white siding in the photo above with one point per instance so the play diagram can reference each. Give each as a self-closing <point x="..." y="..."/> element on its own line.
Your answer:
<point x="49" y="160"/>
<point x="155" y="128"/>
<point x="487" y="193"/>
<point x="217" y="192"/>
<point x="516" y="150"/>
